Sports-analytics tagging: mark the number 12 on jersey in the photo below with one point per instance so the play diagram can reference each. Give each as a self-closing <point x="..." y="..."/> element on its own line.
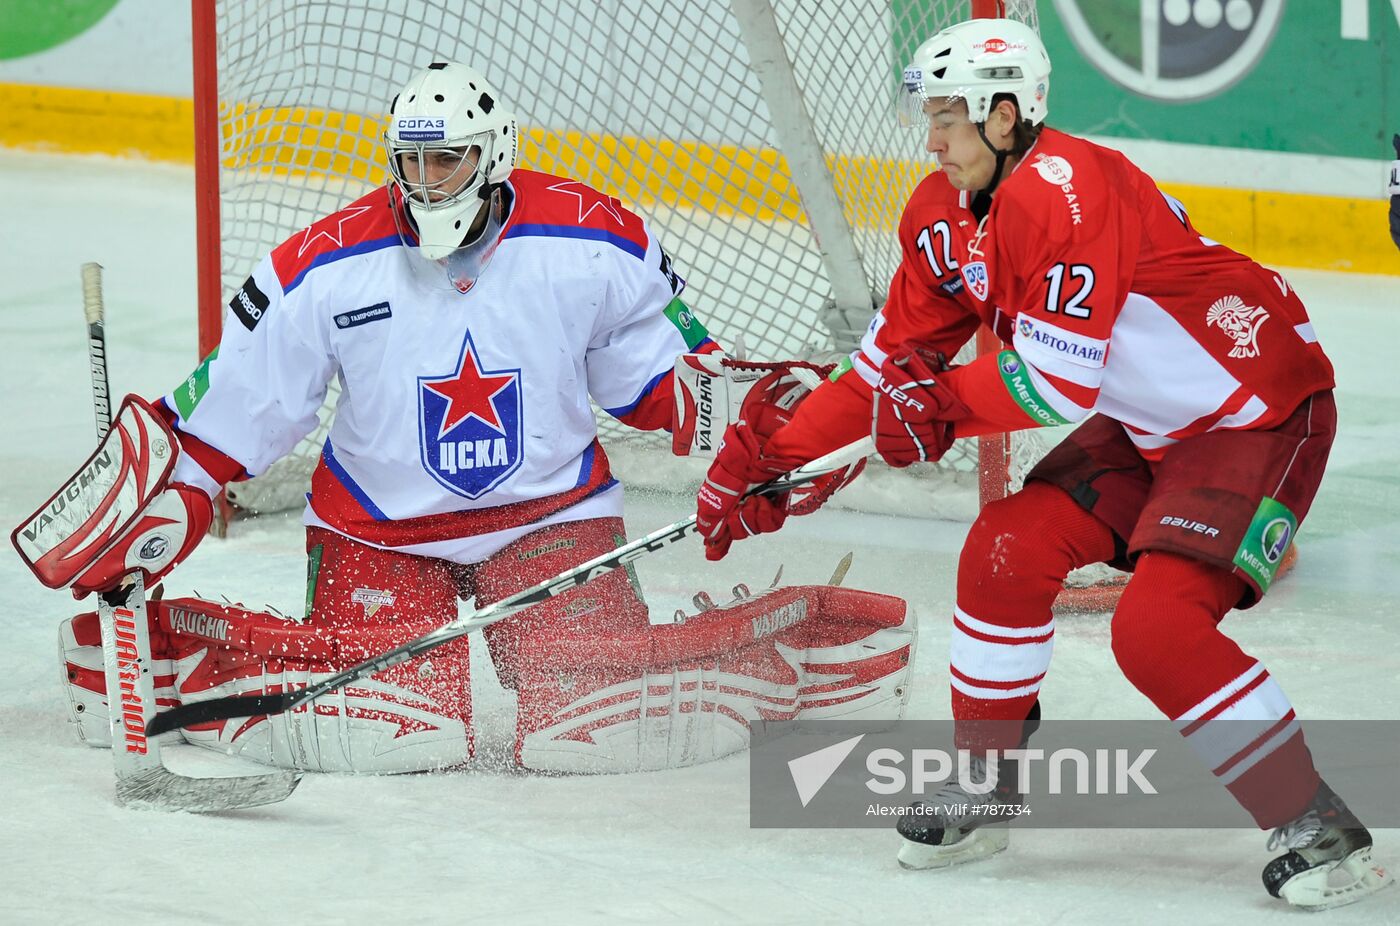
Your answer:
<point x="1055" y="292"/>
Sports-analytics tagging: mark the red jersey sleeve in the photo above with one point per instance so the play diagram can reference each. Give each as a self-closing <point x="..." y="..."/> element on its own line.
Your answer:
<point x="928" y="303"/>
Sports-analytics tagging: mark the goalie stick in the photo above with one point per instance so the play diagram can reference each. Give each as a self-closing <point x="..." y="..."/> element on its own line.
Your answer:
<point x="142" y="778"/>
<point x="253" y="705"/>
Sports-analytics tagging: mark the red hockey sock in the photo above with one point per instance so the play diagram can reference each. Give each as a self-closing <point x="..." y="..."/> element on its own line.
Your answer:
<point x="1013" y="564"/>
<point x="1236" y="718"/>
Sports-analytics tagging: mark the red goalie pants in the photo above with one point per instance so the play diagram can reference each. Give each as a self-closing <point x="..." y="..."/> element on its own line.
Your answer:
<point x="1200" y="530"/>
<point x="351" y="584"/>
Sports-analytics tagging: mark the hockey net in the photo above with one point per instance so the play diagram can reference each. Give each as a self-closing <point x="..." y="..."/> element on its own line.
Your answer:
<point x="776" y="187"/>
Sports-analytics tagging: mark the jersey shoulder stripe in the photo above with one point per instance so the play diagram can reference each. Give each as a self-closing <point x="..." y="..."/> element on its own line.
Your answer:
<point x="365" y="225"/>
<point x="556" y="207"/>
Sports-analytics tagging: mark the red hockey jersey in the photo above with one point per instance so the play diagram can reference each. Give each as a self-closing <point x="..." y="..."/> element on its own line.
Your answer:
<point x="1110" y="300"/>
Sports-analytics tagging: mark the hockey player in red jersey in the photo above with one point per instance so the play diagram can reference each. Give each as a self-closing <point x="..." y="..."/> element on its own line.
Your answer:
<point x="470" y="311"/>
<point x="1207" y="416"/>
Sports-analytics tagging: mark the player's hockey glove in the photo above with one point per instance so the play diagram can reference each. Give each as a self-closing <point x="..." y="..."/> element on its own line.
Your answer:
<point x="722" y="513"/>
<point x="743" y="461"/>
<point x="914" y="414"/>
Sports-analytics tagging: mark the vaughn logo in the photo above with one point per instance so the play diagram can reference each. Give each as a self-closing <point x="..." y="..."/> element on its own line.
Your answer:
<point x="70" y="493"/>
<point x="1180" y="50"/>
<point x="199" y="625"/>
<point x="470" y="423"/>
<point x="372" y="599"/>
<point x="704" y="412"/>
<point x="779" y="618"/>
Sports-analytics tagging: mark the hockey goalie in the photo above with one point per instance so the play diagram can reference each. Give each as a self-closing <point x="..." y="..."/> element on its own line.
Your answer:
<point x="469" y="310"/>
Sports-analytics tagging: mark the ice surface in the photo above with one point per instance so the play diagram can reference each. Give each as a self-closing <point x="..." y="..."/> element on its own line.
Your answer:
<point x="493" y="845"/>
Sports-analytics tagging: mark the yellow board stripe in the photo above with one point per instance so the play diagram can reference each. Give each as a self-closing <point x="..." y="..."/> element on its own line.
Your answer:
<point x="1287" y="229"/>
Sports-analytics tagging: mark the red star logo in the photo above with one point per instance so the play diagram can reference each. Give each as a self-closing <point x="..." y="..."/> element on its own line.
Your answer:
<point x="469" y="393"/>
<point x="337" y="239"/>
<point x="590" y="199"/>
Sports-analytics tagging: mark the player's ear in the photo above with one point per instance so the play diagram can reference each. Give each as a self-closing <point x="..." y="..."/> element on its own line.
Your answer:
<point x="1004" y="117"/>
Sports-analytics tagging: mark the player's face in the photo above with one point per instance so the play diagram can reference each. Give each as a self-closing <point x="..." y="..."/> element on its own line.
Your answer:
<point x="953" y="138"/>
<point x="445" y="172"/>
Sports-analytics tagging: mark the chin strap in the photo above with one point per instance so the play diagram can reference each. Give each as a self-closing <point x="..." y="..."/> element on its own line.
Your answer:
<point x="1001" y="157"/>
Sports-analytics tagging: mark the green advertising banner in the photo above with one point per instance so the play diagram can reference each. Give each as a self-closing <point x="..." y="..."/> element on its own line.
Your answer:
<point x="1306" y="76"/>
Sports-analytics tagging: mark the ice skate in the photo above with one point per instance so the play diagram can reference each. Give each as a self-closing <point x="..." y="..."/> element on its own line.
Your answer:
<point x="1329" y="860"/>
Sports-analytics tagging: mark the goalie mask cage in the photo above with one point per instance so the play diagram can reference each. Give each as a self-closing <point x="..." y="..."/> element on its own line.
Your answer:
<point x="757" y="137"/>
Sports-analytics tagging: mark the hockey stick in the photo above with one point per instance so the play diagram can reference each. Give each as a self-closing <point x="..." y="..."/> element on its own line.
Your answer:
<point x="253" y="705"/>
<point x="142" y="778"/>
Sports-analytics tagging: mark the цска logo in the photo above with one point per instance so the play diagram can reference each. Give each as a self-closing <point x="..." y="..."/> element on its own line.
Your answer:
<point x="1173" y="50"/>
<point x="470" y="425"/>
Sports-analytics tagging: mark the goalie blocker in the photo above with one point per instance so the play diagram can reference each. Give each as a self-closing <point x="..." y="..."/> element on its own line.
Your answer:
<point x="631" y="699"/>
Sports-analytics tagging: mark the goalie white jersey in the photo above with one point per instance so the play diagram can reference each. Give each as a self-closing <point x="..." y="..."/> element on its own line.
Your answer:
<point x="464" y="418"/>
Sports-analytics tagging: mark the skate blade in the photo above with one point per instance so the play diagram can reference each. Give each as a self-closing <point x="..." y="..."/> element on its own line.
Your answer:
<point x="977" y="845"/>
<point x="1348" y="881"/>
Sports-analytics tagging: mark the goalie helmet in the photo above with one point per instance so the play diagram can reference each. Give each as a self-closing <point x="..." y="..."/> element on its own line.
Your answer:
<point x="450" y="109"/>
<point x="974" y="61"/>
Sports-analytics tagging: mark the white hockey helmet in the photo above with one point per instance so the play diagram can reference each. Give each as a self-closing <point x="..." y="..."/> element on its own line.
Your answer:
<point x="450" y="107"/>
<point x="974" y="61"/>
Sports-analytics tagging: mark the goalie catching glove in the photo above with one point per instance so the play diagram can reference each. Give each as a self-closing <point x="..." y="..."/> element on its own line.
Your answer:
<point x="913" y="412"/>
<point x="119" y="513"/>
<point x="723" y="513"/>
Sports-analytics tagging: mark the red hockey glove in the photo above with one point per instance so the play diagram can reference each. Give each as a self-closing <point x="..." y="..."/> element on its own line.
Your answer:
<point x="741" y="462"/>
<point x="914" y="415"/>
<point x="722" y="513"/>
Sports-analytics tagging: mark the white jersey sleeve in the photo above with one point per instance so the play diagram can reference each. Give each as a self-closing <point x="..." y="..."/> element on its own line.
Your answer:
<point x="258" y="393"/>
<point x="636" y="339"/>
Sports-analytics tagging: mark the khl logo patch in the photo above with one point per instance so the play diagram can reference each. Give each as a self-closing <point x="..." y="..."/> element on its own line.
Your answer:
<point x="470" y="425"/>
<point x="975" y="274"/>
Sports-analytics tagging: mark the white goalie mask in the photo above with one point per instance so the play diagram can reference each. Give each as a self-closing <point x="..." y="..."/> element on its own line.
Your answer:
<point x="974" y="61"/>
<point x="450" y="142"/>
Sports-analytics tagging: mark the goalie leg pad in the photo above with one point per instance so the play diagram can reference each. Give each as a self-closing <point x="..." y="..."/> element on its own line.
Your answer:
<point x="85" y="680"/>
<point x="411" y="717"/>
<point x="677" y="695"/>
<point x="362" y="601"/>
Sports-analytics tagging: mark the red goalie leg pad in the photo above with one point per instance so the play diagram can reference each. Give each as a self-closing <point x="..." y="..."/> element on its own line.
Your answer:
<point x="1234" y="715"/>
<point x="629" y="698"/>
<point x="1013" y="564"/>
<point x="411" y="717"/>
